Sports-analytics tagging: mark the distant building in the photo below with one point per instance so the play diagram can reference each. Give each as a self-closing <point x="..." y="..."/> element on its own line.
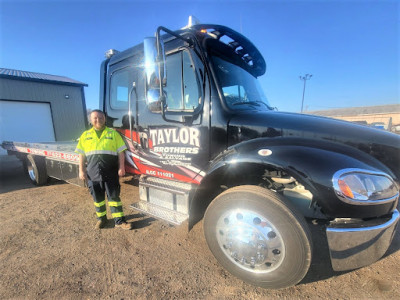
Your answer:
<point x="382" y="116"/>
<point x="37" y="107"/>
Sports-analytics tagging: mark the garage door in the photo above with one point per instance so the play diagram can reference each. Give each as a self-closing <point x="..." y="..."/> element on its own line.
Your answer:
<point x="25" y="122"/>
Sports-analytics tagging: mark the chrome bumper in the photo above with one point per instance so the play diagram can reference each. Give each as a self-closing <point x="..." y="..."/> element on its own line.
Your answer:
<point x="354" y="245"/>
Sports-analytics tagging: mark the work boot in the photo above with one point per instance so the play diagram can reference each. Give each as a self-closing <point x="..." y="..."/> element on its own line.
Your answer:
<point x="100" y="224"/>
<point x="124" y="225"/>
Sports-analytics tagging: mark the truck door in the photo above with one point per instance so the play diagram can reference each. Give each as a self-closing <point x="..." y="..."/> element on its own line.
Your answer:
<point x="175" y="142"/>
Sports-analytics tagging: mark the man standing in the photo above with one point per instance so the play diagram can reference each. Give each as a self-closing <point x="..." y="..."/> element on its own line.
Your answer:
<point x="101" y="162"/>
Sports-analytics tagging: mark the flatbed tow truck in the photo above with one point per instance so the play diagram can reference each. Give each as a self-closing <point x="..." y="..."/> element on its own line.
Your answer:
<point x="206" y="144"/>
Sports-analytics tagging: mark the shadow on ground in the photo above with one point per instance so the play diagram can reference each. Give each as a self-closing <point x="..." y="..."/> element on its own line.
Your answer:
<point x="12" y="175"/>
<point x="143" y="221"/>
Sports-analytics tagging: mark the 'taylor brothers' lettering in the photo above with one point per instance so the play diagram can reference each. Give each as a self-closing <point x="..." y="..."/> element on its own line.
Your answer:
<point x="182" y="136"/>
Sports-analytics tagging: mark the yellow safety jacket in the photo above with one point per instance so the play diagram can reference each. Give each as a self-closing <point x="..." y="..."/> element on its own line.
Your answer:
<point x="101" y="153"/>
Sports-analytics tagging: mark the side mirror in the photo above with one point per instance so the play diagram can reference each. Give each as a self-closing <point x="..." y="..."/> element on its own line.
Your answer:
<point x="154" y="100"/>
<point x="154" y="63"/>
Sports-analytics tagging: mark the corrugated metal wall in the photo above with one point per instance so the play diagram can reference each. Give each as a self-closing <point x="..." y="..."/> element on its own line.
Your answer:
<point x="69" y="115"/>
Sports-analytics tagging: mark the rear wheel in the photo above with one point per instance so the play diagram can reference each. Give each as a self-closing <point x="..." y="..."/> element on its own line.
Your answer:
<point x="257" y="237"/>
<point x="35" y="167"/>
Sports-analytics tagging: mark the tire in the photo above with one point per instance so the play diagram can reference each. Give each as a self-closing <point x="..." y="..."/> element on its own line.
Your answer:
<point x="35" y="167"/>
<point x="258" y="238"/>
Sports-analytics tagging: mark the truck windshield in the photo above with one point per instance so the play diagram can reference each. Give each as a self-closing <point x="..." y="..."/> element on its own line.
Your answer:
<point x="241" y="90"/>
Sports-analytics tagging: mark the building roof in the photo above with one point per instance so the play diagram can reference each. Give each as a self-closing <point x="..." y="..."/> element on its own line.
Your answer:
<point x="32" y="76"/>
<point x="364" y="110"/>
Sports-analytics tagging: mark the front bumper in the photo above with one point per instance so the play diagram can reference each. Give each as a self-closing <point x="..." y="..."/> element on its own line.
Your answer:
<point x="354" y="245"/>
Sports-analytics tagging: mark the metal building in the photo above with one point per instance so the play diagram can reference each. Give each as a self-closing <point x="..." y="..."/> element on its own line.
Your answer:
<point x="37" y="107"/>
<point x="381" y="116"/>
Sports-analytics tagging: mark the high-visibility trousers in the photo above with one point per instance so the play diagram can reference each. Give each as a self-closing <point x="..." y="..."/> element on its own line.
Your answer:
<point x="112" y="188"/>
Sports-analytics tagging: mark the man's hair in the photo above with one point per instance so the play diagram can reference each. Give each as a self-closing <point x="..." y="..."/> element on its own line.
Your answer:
<point x="98" y="111"/>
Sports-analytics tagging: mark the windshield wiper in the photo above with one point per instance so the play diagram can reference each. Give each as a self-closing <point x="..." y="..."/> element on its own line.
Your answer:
<point x="256" y="103"/>
<point x="247" y="102"/>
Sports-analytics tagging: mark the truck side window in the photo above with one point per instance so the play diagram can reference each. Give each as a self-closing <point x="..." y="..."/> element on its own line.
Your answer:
<point x="182" y="89"/>
<point x="190" y="84"/>
<point x="173" y="89"/>
<point x="119" y="89"/>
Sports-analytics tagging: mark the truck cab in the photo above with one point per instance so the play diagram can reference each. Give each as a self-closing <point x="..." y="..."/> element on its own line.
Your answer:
<point x="181" y="136"/>
<point x="208" y="145"/>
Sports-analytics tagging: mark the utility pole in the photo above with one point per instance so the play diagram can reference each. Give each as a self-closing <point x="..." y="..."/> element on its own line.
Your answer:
<point x="304" y="78"/>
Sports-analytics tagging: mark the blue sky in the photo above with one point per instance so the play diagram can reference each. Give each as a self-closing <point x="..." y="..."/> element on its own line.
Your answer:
<point x="352" y="48"/>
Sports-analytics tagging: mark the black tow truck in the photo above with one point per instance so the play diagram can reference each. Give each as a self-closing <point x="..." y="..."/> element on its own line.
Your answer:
<point x="207" y="145"/>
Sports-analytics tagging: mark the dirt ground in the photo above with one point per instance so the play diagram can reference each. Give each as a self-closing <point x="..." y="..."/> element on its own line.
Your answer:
<point x="50" y="250"/>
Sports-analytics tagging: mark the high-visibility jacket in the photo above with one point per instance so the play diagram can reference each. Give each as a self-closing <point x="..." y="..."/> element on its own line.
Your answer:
<point x="101" y="153"/>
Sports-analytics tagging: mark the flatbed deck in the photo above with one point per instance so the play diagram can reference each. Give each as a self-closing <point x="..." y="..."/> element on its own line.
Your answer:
<point x="62" y="151"/>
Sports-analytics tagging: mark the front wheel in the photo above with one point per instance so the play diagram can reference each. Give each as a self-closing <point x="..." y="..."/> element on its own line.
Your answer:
<point x="258" y="237"/>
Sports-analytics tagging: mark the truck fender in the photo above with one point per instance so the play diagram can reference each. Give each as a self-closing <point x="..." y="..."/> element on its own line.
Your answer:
<point x="309" y="162"/>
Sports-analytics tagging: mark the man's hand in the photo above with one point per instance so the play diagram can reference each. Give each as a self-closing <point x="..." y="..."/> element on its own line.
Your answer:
<point x="82" y="175"/>
<point x="82" y="167"/>
<point x="121" y="172"/>
<point x="121" y="164"/>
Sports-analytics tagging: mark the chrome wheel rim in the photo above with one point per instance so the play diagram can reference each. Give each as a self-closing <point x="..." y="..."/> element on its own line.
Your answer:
<point x="31" y="172"/>
<point x="250" y="241"/>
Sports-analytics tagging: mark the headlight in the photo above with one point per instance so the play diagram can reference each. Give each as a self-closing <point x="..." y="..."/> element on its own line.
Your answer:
<point x="358" y="186"/>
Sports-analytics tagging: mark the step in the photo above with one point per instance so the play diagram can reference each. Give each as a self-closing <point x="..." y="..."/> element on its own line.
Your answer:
<point x="176" y="187"/>
<point x="159" y="212"/>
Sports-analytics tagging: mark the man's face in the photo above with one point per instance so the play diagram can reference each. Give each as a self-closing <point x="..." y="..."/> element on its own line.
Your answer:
<point x="98" y="120"/>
